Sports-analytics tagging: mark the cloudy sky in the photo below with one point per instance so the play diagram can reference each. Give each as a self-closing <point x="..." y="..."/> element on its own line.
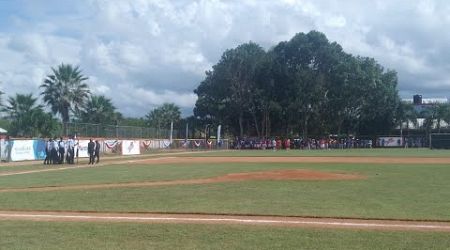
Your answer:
<point x="142" y="53"/>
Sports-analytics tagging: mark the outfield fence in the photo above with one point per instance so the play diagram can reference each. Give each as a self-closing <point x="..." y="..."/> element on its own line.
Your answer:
<point x="35" y="149"/>
<point x="116" y="131"/>
<point x="440" y="141"/>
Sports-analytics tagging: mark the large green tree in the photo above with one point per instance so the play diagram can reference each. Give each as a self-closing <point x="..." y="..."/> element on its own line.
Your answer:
<point x="230" y="95"/>
<point x="380" y="101"/>
<point x="65" y="91"/>
<point x="307" y="68"/>
<point x="301" y="86"/>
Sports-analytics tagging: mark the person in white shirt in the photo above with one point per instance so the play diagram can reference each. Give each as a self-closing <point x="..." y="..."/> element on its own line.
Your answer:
<point x="54" y="151"/>
<point x="48" y="157"/>
<point x="70" y="150"/>
<point x="61" y="150"/>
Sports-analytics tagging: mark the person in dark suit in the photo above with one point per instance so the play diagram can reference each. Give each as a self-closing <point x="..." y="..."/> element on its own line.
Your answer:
<point x="61" y="150"/>
<point x="91" y="148"/>
<point x="97" y="150"/>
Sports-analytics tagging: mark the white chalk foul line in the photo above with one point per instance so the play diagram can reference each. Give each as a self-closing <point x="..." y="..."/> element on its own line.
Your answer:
<point x="233" y="220"/>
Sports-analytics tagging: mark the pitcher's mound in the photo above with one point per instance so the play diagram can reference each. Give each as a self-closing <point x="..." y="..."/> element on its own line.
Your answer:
<point x="294" y="174"/>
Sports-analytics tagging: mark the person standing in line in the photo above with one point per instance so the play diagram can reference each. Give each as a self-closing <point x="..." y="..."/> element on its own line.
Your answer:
<point x="61" y="150"/>
<point x="97" y="151"/>
<point x="47" y="152"/>
<point x="54" y="151"/>
<point x="91" y="148"/>
<point x="76" y="148"/>
<point x="70" y="150"/>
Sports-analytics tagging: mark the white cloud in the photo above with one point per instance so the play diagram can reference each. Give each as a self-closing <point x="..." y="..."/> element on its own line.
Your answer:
<point x="142" y="53"/>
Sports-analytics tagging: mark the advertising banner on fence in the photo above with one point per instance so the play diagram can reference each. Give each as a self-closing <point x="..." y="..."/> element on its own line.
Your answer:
<point x="39" y="149"/>
<point x="22" y="150"/>
<point x="155" y="144"/>
<point x="83" y="148"/>
<point x="390" y="141"/>
<point x="130" y="147"/>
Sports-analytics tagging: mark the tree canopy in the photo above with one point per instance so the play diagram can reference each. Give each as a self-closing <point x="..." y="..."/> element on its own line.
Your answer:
<point x="162" y="116"/>
<point x="301" y="86"/>
<point x="27" y="117"/>
<point x="98" y="109"/>
<point x="65" y="90"/>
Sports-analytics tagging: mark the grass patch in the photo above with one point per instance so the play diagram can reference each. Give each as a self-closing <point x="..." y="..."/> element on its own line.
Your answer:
<point x="77" y="235"/>
<point x="12" y="168"/>
<point x="390" y="191"/>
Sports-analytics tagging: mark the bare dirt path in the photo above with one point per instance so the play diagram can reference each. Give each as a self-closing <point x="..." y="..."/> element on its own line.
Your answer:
<point x="367" y="224"/>
<point x="293" y="174"/>
<point x="171" y="158"/>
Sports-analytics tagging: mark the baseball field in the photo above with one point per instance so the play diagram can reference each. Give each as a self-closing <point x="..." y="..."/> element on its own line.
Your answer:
<point x="335" y="199"/>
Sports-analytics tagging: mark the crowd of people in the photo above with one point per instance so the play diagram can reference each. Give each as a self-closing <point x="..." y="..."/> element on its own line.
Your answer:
<point x="58" y="151"/>
<point x="64" y="151"/>
<point x="300" y="143"/>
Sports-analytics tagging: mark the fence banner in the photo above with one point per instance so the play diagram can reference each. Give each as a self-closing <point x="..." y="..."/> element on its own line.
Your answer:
<point x="389" y="141"/>
<point x="39" y="149"/>
<point x="165" y="143"/>
<point x="111" y="146"/>
<point x="145" y="145"/>
<point x="130" y="147"/>
<point x="21" y="150"/>
<point x="154" y="144"/>
<point x="83" y="149"/>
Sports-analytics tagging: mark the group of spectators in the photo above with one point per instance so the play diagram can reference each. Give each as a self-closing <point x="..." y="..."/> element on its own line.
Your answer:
<point x="56" y="151"/>
<point x="300" y="143"/>
<point x="60" y="151"/>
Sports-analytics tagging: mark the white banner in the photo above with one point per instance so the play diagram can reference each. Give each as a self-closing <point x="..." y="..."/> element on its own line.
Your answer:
<point x="82" y="149"/>
<point x="390" y="141"/>
<point x="22" y="150"/>
<point x="130" y="147"/>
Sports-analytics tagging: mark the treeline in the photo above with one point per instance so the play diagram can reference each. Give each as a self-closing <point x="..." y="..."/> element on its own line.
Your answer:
<point x="66" y="94"/>
<point x="307" y="85"/>
<point x="304" y="86"/>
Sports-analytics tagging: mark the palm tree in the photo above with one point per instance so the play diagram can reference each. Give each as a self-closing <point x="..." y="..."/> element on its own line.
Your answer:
<point x="65" y="90"/>
<point x="164" y="115"/>
<point x="23" y="112"/>
<point x="98" y="109"/>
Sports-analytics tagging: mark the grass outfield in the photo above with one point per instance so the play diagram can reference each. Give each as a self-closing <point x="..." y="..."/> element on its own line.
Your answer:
<point x="384" y="152"/>
<point x="390" y="191"/>
<point x="398" y="191"/>
<point x="76" y="235"/>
